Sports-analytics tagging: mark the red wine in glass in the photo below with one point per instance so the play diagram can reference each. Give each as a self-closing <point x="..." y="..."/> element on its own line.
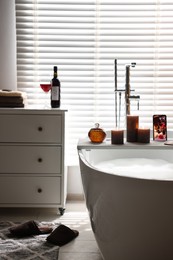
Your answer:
<point x="45" y="87"/>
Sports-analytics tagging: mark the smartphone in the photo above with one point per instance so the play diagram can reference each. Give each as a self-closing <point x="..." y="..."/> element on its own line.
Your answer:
<point x="159" y="128"/>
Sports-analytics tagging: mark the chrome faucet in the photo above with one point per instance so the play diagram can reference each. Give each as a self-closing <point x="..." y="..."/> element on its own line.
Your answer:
<point x="128" y="90"/>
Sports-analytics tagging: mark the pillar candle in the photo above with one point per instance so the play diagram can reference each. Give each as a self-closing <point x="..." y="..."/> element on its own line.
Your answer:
<point x="117" y="136"/>
<point x="143" y="135"/>
<point x="132" y="127"/>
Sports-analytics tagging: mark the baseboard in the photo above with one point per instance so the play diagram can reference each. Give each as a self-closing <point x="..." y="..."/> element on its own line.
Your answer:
<point x="75" y="197"/>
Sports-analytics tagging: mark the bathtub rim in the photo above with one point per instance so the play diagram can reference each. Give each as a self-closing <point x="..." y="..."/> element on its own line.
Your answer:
<point x="85" y="161"/>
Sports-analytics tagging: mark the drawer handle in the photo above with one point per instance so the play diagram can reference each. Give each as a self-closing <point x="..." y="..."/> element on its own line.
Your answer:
<point x="40" y="160"/>
<point x="39" y="190"/>
<point x="40" y="128"/>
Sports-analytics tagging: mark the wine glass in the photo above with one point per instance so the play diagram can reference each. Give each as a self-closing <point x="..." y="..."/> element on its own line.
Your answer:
<point x="46" y="88"/>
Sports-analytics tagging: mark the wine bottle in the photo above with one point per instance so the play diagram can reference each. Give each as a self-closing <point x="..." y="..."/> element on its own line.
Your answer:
<point x="55" y="89"/>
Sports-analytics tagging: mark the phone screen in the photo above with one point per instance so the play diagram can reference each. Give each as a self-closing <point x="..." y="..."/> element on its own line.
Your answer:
<point x="159" y="128"/>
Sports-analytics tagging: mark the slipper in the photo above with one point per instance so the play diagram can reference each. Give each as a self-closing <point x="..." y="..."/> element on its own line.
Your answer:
<point x="29" y="228"/>
<point x="62" y="235"/>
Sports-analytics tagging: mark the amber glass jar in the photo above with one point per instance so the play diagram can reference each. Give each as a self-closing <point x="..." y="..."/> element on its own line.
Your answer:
<point x="96" y="135"/>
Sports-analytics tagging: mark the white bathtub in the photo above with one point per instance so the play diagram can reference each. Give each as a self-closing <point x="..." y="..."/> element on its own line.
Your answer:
<point x="132" y="218"/>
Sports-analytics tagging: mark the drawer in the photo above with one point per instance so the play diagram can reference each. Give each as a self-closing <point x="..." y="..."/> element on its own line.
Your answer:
<point x="27" y="190"/>
<point x="31" y="128"/>
<point x="30" y="159"/>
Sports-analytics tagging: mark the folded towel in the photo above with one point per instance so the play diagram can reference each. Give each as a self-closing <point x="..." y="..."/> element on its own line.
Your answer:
<point x="11" y="99"/>
<point x="9" y="93"/>
<point x="11" y="105"/>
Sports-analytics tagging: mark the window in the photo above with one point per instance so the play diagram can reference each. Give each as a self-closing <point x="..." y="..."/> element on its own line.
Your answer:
<point x="83" y="38"/>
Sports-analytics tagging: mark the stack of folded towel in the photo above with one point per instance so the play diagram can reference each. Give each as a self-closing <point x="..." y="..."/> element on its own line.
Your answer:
<point x="12" y="98"/>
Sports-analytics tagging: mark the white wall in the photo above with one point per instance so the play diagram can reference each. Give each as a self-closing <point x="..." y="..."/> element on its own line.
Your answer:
<point x="8" y="45"/>
<point x="74" y="183"/>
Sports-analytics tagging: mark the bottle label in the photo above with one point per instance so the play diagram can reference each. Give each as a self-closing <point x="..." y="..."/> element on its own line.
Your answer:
<point x="55" y="93"/>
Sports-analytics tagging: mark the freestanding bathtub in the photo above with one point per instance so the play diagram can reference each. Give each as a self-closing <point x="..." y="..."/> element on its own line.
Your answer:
<point x="131" y="217"/>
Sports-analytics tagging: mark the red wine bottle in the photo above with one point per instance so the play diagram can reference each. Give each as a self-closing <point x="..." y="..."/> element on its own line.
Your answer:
<point x="55" y="89"/>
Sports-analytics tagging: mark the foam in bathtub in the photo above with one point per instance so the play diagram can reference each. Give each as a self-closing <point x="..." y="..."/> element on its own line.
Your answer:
<point x="144" y="168"/>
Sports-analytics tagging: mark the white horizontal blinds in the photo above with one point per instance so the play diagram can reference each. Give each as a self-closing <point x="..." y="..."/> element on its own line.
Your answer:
<point x="141" y="32"/>
<point x="55" y="33"/>
<point x="83" y="38"/>
<point x="28" y="73"/>
<point x="59" y="33"/>
<point x="164" y="73"/>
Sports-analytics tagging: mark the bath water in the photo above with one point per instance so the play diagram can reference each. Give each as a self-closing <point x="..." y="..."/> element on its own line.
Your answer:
<point x="138" y="167"/>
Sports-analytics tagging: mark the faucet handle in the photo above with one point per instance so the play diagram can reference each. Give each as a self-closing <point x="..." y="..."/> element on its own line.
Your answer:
<point x="133" y="64"/>
<point x="135" y="97"/>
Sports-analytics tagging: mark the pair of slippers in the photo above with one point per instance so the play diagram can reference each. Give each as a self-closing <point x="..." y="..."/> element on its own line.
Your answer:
<point x="59" y="236"/>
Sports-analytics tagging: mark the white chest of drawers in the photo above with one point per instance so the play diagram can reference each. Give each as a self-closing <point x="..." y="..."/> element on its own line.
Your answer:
<point x="32" y="158"/>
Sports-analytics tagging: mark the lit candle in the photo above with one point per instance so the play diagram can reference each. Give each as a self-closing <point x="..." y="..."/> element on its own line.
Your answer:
<point x="143" y="135"/>
<point x="117" y="136"/>
<point x="132" y="127"/>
